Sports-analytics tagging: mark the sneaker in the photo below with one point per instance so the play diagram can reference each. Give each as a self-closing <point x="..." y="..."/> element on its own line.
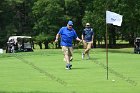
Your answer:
<point x="83" y="55"/>
<point x="68" y="67"/>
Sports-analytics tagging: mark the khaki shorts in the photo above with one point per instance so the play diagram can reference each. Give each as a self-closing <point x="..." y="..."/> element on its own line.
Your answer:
<point x="67" y="50"/>
<point x="87" y="45"/>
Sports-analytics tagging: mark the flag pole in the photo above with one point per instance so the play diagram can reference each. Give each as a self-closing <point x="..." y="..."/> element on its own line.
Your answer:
<point x="106" y="52"/>
<point x="106" y="43"/>
<point x="115" y="19"/>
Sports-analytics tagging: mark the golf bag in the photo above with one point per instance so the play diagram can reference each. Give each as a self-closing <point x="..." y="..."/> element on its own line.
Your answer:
<point x="137" y="46"/>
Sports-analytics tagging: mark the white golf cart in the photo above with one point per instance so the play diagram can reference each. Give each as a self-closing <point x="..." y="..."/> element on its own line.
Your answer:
<point x="19" y="43"/>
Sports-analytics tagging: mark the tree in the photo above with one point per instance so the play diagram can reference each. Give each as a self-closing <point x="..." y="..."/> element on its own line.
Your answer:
<point x="48" y="15"/>
<point x="34" y="17"/>
<point x="130" y="27"/>
<point x="95" y="14"/>
<point x="6" y="25"/>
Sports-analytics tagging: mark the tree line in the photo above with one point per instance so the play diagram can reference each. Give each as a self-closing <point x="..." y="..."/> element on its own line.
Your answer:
<point x="42" y="19"/>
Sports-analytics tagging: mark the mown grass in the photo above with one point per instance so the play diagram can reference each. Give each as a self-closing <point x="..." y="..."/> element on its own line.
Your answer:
<point x="43" y="71"/>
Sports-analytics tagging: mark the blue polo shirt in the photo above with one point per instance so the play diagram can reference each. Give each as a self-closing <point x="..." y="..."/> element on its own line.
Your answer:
<point x="88" y="33"/>
<point x="67" y="36"/>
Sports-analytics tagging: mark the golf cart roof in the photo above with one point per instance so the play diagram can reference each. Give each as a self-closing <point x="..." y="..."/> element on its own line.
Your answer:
<point x="15" y="37"/>
<point x="138" y="38"/>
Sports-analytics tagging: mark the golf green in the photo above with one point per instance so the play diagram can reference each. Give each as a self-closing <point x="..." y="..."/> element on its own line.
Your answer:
<point x="43" y="71"/>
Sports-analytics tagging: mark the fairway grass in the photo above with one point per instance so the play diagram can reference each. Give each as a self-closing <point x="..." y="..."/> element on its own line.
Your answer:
<point x="43" y="71"/>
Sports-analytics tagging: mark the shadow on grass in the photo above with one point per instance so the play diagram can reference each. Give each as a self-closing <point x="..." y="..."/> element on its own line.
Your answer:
<point x="119" y="51"/>
<point x="75" y="68"/>
<point x="93" y="59"/>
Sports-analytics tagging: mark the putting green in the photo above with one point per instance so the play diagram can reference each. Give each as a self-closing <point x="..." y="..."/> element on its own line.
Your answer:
<point x="43" y="71"/>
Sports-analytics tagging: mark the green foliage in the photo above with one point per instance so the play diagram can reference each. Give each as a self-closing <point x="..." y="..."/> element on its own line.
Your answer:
<point x="40" y="38"/>
<point x="72" y="8"/>
<point x="43" y="37"/>
<point x="95" y="14"/>
<point x="129" y="10"/>
<point x="33" y="17"/>
<point x="48" y="15"/>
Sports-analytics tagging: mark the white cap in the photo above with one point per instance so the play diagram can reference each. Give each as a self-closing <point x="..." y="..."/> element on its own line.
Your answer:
<point x="87" y="24"/>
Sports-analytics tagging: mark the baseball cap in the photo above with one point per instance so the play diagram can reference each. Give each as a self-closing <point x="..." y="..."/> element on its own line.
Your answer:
<point x="87" y="24"/>
<point x="70" y="23"/>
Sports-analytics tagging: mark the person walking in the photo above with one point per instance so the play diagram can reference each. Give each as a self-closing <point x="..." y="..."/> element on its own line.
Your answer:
<point x="87" y="37"/>
<point x="67" y="35"/>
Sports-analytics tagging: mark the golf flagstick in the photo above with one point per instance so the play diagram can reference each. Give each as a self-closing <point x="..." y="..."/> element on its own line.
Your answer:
<point x="106" y="51"/>
<point x="115" y="19"/>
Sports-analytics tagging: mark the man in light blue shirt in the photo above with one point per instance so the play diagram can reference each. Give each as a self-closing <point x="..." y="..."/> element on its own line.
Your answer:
<point x="67" y="35"/>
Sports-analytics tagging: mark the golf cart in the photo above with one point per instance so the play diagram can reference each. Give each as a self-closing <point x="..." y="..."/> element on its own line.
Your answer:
<point x="19" y="43"/>
<point x="137" y="45"/>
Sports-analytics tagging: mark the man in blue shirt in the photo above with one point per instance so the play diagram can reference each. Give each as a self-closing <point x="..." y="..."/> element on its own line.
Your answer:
<point x="67" y="35"/>
<point x="87" y="37"/>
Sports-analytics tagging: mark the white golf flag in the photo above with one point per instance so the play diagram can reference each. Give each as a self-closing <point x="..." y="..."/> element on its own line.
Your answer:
<point x="113" y="18"/>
